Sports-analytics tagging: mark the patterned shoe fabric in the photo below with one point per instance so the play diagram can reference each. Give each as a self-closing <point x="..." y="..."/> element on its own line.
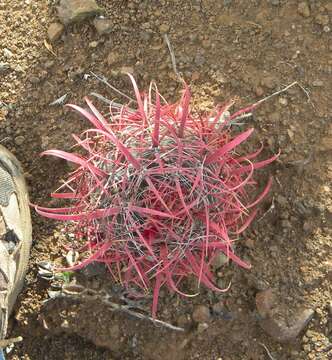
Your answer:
<point x="15" y="234"/>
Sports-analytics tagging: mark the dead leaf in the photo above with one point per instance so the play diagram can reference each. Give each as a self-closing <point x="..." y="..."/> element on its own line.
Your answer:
<point x="49" y="48"/>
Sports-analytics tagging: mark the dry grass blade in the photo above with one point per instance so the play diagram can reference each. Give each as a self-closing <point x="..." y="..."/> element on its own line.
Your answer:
<point x="173" y="59"/>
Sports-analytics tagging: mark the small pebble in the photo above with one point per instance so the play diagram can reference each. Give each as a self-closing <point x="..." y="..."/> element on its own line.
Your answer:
<point x="72" y="11"/>
<point x="34" y="80"/>
<point x="283" y="101"/>
<point x="19" y="140"/>
<point x="219" y="260"/>
<point x="49" y="64"/>
<point x="328" y="6"/>
<point x="199" y="60"/>
<point x="250" y="243"/>
<point x="202" y="327"/>
<point x="322" y="19"/>
<point x="93" y="44"/>
<point x="112" y="58"/>
<point x="259" y="91"/>
<point x="164" y="28"/>
<point x="281" y="200"/>
<point x="218" y="308"/>
<point x="4" y="67"/>
<point x="7" y="53"/>
<point x="269" y="82"/>
<point x="127" y="69"/>
<point x="65" y="324"/>
<point x="318" y="83"/>
<point x="201" y="314"/>
<point x="307" y="348"/>
<point x="103" y="25"/>
<point x="54" y="32"/>
<point x="303" y="9"/>
<point x="290" y="134"/>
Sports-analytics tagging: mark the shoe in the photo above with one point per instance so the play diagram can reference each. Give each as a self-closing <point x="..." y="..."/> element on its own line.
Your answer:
<point x="15" y="235"/>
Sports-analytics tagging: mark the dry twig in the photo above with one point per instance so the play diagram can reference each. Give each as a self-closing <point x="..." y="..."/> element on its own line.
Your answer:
<point x="173" y="59"/>
<point x="267" y="351"/>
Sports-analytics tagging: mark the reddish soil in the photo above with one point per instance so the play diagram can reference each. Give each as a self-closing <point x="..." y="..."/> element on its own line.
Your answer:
<point x="223" y="48"/>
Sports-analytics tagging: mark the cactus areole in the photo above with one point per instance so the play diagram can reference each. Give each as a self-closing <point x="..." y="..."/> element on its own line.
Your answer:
<point x="159" y="191"/>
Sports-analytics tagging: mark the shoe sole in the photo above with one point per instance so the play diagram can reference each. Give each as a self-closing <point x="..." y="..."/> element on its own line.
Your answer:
<point x="12" y="165"/>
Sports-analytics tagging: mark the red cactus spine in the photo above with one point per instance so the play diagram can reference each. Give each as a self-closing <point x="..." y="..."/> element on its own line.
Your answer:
<point x="159" y="192"/>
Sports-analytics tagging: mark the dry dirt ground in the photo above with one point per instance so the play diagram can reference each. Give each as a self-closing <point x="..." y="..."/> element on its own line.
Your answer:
<point x="223" y="48"/>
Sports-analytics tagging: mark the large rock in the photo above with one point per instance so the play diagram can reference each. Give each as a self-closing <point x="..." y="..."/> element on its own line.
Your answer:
<point x="284" y="333"/>
<point x="71" y="11"/>
<point x="281" y="329"/>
